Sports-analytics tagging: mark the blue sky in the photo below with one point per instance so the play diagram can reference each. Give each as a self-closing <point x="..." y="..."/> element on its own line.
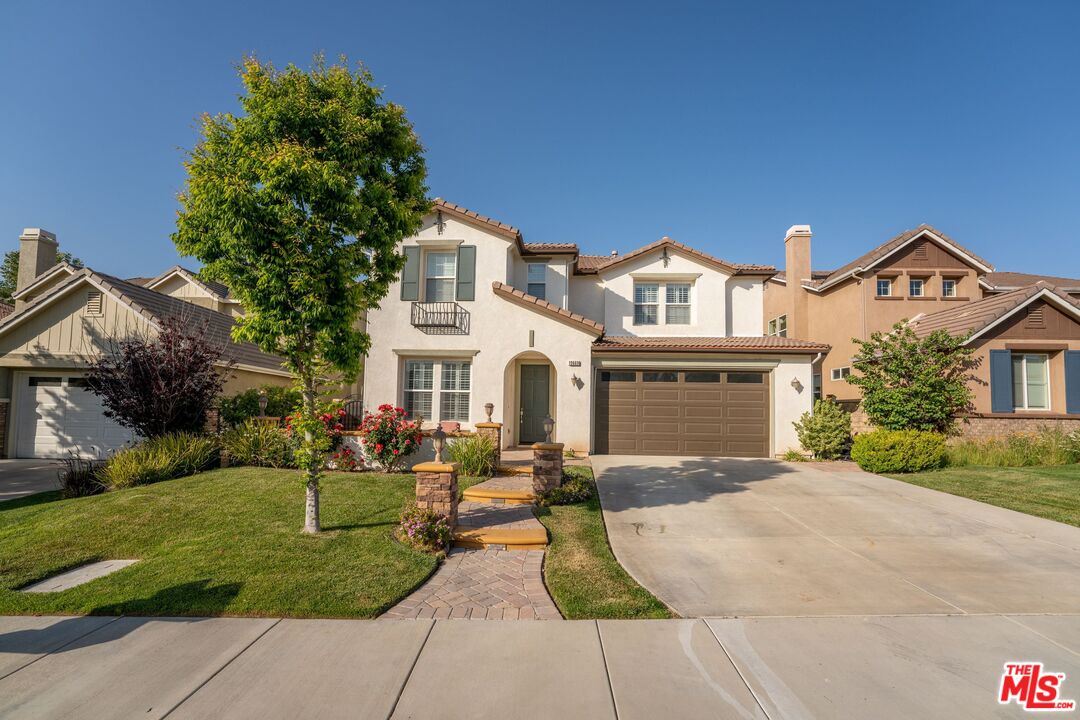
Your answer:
<point x="605" y="124"/>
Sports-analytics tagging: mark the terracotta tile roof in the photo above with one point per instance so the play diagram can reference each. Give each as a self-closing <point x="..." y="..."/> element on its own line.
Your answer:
<point x="589" y="264"/>
<point x="974" y="317"/>
<point x="508" y="230"/>
<point x="867" y="260"/>
<point x="1010" y="280"/>
<point x="707" y="344"/>
<point x="734" y="268"/>
<point x="550" y="247"/>
<point x="534" y="303"/>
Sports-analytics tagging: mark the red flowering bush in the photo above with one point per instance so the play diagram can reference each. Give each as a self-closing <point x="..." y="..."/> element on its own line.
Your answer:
<point x="326" y="429"/>
<point x="345" y="460"/>
<point x="388" y="437"/>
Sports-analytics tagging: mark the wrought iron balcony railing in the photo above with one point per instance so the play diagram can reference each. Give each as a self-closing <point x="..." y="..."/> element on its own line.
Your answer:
<point x="440" y="318"/>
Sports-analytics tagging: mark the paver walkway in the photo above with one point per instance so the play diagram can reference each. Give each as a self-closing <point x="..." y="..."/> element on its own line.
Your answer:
<point x="483" y="585"/>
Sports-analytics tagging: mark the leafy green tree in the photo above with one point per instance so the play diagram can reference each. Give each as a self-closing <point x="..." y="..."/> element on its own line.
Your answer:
<point x="912" y="383"/>
<point x="9" y="271"/>
<point x="826" y="432"/>
<point x="298" y="205"/>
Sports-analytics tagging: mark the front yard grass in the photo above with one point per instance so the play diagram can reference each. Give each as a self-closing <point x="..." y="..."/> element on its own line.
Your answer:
<point x="1047" y="492"/>
<point x="225" y="542"/>
<point x="582" y="575"/>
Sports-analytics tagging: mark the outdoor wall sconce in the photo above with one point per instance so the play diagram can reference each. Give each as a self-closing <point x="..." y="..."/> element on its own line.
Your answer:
<point x="489" y="408"/>
<point x="438" y="441"/>
<point x="549" y="427"/>
<point x="797" y="385"/>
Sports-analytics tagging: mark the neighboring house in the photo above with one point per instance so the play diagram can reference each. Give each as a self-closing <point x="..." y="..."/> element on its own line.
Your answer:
<point x="657" y="351"/>
<point x="924" y="276"/>
<point x="65" y="315"/>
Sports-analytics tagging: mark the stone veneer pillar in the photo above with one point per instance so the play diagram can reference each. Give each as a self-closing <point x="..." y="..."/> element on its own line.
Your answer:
<point x="437" y="488"/>
<point x="547" y="466"/>
<point x="492" y="430"/>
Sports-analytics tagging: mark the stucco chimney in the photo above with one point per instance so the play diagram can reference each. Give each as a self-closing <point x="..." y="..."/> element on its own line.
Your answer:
<point x="37" y="253"/>
<point x="796" y="269"/>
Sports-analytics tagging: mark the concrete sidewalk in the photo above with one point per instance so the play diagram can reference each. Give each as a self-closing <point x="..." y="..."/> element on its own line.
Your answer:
<point x="811" y="667"/>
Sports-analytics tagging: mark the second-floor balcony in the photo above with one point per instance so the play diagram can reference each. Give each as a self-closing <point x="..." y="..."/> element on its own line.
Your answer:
<point x="440" y="318"/>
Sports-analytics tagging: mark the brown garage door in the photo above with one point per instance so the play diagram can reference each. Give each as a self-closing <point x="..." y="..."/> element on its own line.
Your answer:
<point x="686" y="412"/>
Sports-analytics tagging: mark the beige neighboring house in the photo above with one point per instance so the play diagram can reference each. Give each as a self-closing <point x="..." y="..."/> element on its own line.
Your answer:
<point x="658" y="351"/>
<point x="1025" y="328"/>
<point x="65" y="314"/>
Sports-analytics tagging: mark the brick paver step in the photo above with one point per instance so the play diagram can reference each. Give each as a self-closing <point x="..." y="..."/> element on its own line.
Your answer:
<point x="514" y="527"/>
<point x="503" y="490"/>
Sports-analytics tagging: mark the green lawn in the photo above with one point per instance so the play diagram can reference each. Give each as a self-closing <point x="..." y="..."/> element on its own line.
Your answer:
<point x="225" y="542"/>
<point x="1047" y="492"/>
<point x="583" y="577"/>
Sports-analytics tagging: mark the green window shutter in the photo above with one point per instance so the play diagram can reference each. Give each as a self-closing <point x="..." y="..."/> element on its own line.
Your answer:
<point x="1001" y="381"/>
<point x="1072" y="382"/>
<point x="466" y="272"/>
<point x="410" y="275"/>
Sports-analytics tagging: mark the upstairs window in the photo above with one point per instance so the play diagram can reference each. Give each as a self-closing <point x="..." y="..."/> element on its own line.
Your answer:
<point x="440" y="277"/>
<point x="915" y="287"/>
<point x="778" y="327"/>
<point x="948" y="288"/>
<point x="537" y="280"/>
<point x="840" y="373"/>
<point x="884" y="287"/>
<point x="677" y="310"/>
<point x="1031" y="382"/>
<point x="646" y="303"/>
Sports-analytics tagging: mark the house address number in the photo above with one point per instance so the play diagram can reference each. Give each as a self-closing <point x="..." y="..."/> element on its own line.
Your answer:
<point x="575" y="363"/>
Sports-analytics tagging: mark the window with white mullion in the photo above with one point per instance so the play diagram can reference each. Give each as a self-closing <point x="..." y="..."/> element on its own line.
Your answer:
<point x="646" y="303"/>
<point x="419" y="388"/>
<point x="440" y="276"/>
<point x="455" y="390"/>
<point x="1031" y="382"/>
<point x="536" y="279"/>
<point x="677" y="304"/>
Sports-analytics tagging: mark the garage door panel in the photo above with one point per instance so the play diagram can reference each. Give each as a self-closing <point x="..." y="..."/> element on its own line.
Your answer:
<point x="58" y="415"/>
<point x="684" y="418"/>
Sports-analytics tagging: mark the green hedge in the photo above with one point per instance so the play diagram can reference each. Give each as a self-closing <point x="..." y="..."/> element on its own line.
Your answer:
<point x="898" y="451"/>
<point x="280" y="401"/>
<point x="160" y="458"/>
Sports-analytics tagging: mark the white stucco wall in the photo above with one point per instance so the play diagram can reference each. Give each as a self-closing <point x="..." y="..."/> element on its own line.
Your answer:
<point x="500" y="332"/>
<point x="708" y="295"/>
<point x="556" y="270"/>
<point x="789" y="403"/>
<point x="746" y="306"/>
<point x="587" y="296"/>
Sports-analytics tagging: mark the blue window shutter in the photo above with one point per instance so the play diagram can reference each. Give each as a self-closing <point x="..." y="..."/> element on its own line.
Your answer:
<point x="466" y="272"/>
<point x="1001" y="389"/>
<point x="1072" y="382"/>
<point x="410" y="275"/>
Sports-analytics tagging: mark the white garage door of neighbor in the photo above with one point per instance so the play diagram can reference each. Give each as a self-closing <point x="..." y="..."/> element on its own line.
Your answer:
<point x="57" y="413"/>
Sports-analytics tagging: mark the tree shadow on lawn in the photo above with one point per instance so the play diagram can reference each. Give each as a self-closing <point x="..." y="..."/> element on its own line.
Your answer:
<point x="197" y="598"/>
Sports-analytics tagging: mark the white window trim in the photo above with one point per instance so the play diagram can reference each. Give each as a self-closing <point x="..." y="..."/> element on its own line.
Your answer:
<point x="1024" y="384"/>
<point x="774" y="326"/>
<point x="922" y="287"/>
<point x="453" y="278"/>
<point x="944" y="285"/>
<point x="528" y="266"/>
<point x="661" y="303"/>
<point x="689" y="304"/>
<point x="837" y="374"/>
<point x="877" y="287"/>
<point x="436" y="391"/>
<point x="657" y="304"/>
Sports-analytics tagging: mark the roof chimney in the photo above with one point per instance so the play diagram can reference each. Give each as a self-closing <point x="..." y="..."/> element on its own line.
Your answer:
<point x="37" y="253"/>
<point x="796" y="270"/>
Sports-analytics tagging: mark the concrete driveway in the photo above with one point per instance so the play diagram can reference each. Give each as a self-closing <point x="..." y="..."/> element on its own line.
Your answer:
<point x="27" y="477"/>
<point x="729" y="537"/>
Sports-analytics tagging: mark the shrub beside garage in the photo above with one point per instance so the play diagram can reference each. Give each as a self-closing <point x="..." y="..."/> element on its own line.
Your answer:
<point x="899" y="451"/>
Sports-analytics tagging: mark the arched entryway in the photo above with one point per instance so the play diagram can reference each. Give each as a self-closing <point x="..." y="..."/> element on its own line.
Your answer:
<point x="530" y="393"/>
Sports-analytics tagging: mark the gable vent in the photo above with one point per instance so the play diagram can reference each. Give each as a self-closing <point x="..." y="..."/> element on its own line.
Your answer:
<point x="920" y="252"/>
<point x="1036" y="317"/>
<point x="93" y="302"/>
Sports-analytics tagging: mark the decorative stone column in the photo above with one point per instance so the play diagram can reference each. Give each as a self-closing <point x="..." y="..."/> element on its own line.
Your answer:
<point x="547" y="466"/>
<point x="437" y="488"/>
<point x="492" y="430"/>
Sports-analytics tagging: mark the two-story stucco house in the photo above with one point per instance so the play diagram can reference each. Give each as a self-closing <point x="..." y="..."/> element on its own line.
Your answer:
<point x="1025" y="329"/>
<point x="655" y="351"/>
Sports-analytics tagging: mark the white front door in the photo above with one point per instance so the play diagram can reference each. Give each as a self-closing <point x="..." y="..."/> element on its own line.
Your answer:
<point x="57" y="413"/>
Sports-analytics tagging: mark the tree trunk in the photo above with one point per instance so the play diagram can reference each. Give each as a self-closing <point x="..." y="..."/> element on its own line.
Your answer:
<point x="311" y="507"/>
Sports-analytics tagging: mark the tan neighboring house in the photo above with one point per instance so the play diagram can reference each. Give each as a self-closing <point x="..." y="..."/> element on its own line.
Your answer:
<point x="1025" y="327"/>
<point x="65" y="314"/>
